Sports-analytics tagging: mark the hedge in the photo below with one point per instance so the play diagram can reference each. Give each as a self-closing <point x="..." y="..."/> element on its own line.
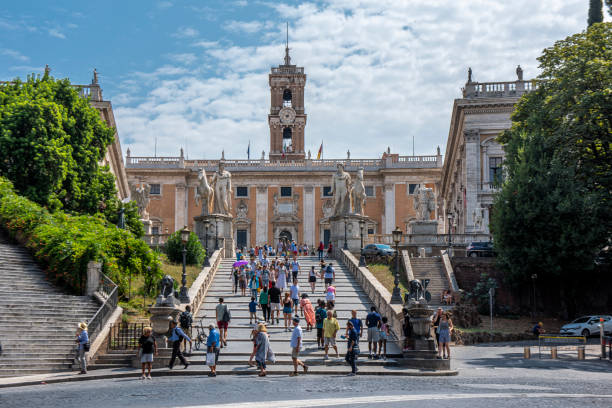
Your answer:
<point x="64" y="244"/>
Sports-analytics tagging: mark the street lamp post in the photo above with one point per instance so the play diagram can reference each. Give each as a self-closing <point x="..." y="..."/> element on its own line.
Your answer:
<point x="345" y="243"/>
<point x="533" y="280"/>
<point x="450" y="239"/>
<point x="206" y="261"/>
<point x="183" y="294"/>
<point x="216" y="234"/>
<point x="361" y="257"/>
<point x="396" y="297"/>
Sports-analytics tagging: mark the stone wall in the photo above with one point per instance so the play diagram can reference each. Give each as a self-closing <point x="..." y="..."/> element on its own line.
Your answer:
<point x="378" y="294"/>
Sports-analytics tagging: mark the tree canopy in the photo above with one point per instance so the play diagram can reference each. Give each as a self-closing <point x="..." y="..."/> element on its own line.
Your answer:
<point x="595" y="12"/>
<point x="52" y="142"/>
<point x="553" y="214"/>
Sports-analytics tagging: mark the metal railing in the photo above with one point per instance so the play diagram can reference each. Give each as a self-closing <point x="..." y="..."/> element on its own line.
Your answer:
<point x="110" y="292"/>
<point x="125" y="336"/>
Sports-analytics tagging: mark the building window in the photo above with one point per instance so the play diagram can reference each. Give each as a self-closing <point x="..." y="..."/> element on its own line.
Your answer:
<point x="242" y="191"/>
<point x="327" y="191"/>
<point x="412" y="188"/>
<point x="370" y="192"/>
<point x="287" y="97"/>
<point x="496" y="175"/>
<point x="285" y="191"/>
<point x="155" y="189"/>
<point x="287" y="140"/>
<point x="370" y="231"/>
<point x="155" y="230"/>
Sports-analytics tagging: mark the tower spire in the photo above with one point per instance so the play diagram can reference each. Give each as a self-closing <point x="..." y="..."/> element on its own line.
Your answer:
<point x="287" y="57"/>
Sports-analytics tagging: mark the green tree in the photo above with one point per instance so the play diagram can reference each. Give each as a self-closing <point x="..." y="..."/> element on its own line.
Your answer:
<point x="595" y="12"/>
<point x="553" y="213"/>
<point x="609" y="4"/>
<point x="195" y="251"/>
<point x="51" y="144"/>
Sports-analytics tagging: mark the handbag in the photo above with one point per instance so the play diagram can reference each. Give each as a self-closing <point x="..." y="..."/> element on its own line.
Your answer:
<point x="210" y="358"/>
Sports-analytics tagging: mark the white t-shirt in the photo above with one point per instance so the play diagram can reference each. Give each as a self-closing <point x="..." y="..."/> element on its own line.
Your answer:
<point x="297" y="333"/>
<point x="295" y="291"/>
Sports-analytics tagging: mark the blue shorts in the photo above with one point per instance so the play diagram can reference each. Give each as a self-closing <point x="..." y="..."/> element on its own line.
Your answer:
<point x="287" y="310"/>
<point x="296" y="302"/>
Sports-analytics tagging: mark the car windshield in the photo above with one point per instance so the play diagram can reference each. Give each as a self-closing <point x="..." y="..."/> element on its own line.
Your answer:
<point x="581" y="320"/>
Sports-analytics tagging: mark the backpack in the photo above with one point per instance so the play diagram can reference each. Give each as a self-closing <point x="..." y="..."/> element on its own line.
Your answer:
<point x="185" y="319"/>
<point x="227" y="316"/>
<point x="86" y="346"/>
<point x="319" y="316"/>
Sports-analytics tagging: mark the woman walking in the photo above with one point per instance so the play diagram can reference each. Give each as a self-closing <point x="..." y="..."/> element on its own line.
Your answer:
<point x="243" y="280"/>
<point x="312" y="278"/>
<point x="148" y="347"/>
<point x="446" y="327"/>
<point x="308" y="311"/>
<point x="264" y="302"/>
<point x="254" y="286"/>
<point x="264" y="352"/>
<point x="287" y="309"/>
<point x="281" y="281"/>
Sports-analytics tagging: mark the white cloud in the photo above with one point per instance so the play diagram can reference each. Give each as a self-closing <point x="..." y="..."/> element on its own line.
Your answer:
<point x="186" y="32"/>
<point x="164" y="4"/>
<point x="379" y="72"/>
<point x="184" y="58"/>
<point x="54" y="32"/>
<point x="14" y="54"/>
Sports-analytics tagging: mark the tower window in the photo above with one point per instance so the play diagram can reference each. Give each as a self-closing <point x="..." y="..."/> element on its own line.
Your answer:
<point x="287" y="97"/>
<point x="285" y="191"/>
<point x="287" y="140"/>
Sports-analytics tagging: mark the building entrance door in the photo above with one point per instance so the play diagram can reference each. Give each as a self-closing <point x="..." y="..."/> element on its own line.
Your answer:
<point x="326" y="236"/>
<point x="285" y="235"/>
<point x="241" y="238"/>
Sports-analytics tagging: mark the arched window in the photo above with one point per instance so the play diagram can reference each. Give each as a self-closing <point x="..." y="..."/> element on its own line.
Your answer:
<point x="287" y="140"/>
<point x="287" y="97"/>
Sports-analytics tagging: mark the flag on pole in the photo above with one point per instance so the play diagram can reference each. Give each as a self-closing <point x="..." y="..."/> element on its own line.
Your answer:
<point x="249" y="151"/>
<point x="320" y="151"/>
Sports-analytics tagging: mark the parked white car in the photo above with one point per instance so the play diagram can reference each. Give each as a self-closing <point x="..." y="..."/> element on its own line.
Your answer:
<point x="587" y="326"/>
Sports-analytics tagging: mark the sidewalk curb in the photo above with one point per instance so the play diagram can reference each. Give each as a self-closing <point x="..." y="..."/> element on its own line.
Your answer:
<point x="204" y="373"/>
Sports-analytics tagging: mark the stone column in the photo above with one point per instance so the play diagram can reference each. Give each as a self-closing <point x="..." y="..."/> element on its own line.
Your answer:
<point x="472" y="172"/>
<point x="389" y="208"/>
<point x="261" y="215"/>
<point x="309" y="215"/>
<point x="180" y="215"/>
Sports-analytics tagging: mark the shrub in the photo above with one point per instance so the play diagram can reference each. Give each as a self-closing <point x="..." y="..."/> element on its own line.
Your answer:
<point x="65" y="244"/>
<point x="195" y="251"/>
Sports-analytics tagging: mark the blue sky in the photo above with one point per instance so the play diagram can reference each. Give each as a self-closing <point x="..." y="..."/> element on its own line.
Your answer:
<point x="194" y="73"/>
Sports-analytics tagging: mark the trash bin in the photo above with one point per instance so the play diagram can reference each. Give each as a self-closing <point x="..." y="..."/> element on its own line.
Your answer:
<point x="527" y="352"/>
<point x="553" y="352"/>
<point x="581" y="353"/>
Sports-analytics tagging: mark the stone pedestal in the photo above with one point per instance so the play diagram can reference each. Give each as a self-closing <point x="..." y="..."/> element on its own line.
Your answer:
<point x="220" y="232"/>
<point x="424" y="234"/>
<point x="353" y="233"/>
<point x="147" y="226"/>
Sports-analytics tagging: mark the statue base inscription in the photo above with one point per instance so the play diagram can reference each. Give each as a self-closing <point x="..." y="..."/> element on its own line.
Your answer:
<point x="350" y="222"/>
<point x="216" y="231"/>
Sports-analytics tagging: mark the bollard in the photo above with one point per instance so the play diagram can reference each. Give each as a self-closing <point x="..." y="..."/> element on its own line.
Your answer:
<point x="527" y="352"/>
<point x="580" y="352"/>
<point x="553" y="352"/>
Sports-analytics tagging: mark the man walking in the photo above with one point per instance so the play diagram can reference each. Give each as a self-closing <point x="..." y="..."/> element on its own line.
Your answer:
<point x="212" y="346"/>
<point x="329" y="276"/>
<point x="295" y="269"/>
<point x="296" y="345"/>
<point x="372" y="322"/>
<point x="330" y="328"/>
<point x="357" y="324"/>
<point x="176" y="337"/>
<point x="223" y="317"/>
<point x="275" y="299"/>
<point x="320" y="316"/>
<point x="352" y="347"/>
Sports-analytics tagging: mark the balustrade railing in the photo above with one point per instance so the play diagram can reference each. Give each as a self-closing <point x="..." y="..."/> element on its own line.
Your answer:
<point x="433" y="239"/>
<point x="125" y="336"/>
<point x="498" y="89"/>
<point x="110" y="292"/>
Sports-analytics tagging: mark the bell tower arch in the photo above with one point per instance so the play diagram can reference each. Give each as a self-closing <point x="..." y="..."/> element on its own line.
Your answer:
<point x="287" y="118"/>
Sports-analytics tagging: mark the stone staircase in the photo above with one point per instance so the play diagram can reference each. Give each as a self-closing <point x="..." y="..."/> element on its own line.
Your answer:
<point x="349" y="296"/>
<point x="38" y="320"/>
<point x="432" y="269"/>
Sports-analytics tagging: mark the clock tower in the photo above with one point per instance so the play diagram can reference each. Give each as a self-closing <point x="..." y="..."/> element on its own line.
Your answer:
<point x="287" y="118"/>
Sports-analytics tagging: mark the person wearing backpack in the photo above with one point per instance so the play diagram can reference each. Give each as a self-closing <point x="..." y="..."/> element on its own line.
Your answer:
<point x="223" y="317"/>
<point x="185" y="322"/>
<point x="320" y="315"/>
<point x="176" y="337"/>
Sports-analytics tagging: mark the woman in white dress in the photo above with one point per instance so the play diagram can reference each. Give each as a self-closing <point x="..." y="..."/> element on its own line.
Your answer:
<point x="281" y="281"/>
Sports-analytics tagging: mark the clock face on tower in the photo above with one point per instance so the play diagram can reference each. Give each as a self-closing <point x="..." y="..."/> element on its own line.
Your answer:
<point x="287" y="115"/>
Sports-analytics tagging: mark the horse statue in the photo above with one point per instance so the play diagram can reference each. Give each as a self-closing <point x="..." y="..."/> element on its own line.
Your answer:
<point x="204" y="193"/>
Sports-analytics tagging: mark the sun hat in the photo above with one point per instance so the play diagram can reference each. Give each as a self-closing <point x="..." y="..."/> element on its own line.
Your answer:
<point x="83" y="326"/>
<point x="262" y="328"/>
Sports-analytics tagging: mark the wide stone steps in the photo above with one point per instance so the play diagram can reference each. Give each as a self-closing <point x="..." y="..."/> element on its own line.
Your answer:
<point x="38" y="320"/>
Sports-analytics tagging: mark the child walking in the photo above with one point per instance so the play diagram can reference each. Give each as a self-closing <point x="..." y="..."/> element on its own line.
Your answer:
<point x="382" y="338"/>
<point x="252" y="310"/>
